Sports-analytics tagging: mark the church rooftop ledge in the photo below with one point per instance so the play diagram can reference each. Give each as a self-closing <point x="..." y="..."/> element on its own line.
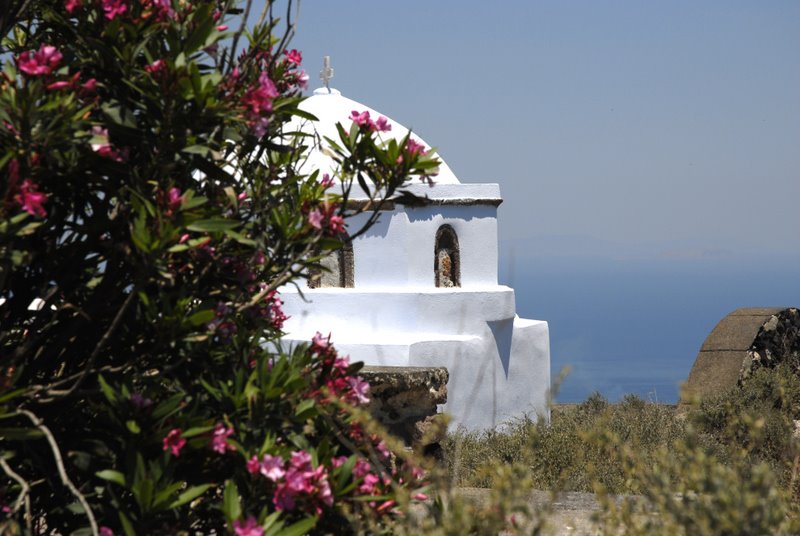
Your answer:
<point x="440" y="194"/>
<point x="400" y="290"/>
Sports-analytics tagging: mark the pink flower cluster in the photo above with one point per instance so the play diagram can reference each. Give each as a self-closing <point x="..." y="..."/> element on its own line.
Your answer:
<point x="173" y="200"/>
<point x="339" y="382"/>
<point x="363" y="120"/>
<point x="40" y="63"/>
<point x="414" y="147"/>
<point x="31" y="199"/>
<point x="326" y="219"/>
<point x="295" y="481"/>
<point x="219" y="439"/>
<point x="174" y="442"/>
<point x="294" y="56"/>
<point x="275" y="308"/>
<point x="27" y="194"/>
<point x="257" y="101"/>
<point x="114" y="8"/>
<point x="248" y="528"/>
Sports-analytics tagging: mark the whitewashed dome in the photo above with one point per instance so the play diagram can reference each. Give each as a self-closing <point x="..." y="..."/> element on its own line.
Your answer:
<point x="330" y="107"/>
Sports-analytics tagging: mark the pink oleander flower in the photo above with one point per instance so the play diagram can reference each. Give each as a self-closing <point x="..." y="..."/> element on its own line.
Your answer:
<point x="359" y="389"/>
<point x="294" y="56"/>
<point x="61" y="84"/>
<point x="320" y="343"/>
<point x="30" y="199"/>
<point x="272" y="467"/>
<point x="336" y="224"/>
<point x="114" y="8"/>
<point x="174" y="442"/>
<point x="156" y="68"/>
<point x="222" y="27"/>
<point x="105" y="531"/>
<point x="276" y="315"/>
<point x="89" y="85"/>
<point x="386" y="505"/>
<point x="341" y="364"/>
<point x="301" y="79"/>
<point x="219" y="439"/>
<point x="382" y="125"/>
<point x="414" y="147"/>
<point x="362" y="468"/>
<point x="361" y="119"/>
<point x="253" y="465"/>
<point x="72" y="5"/>
<point x="369" y="485"/>
<point x="258" y="99"/>
<point x="249" y="528"/>
<point x="301" y="479"/>
<point x="383" y="450"/>
<point x="338" y="461"/>
<point x="315" y="219"/>
<point x="42" y="62"/>
<point x="174" y="199"/>
<point x="327" y="181"/>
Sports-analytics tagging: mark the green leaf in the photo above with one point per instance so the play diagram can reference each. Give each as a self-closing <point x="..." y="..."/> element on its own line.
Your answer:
<point x="107" y="390"/>
<point x="240" y="238"/>
<point x="189" y="495"/>
<point x="165" y="494"/>
<point x="197" y="149"/>
<point x="202" y="317"/>
<point x="133" y="426"/>
<point x="196" y="431"/>
<point x="112" y="476"/>
<point x="5" y="397"/>
<point x="299" y="528"/>
<point x="304" y="408"/>
<point x="212" y="225"/>
<point x="127" y="526"/>
<point x="231" y="503"/>
<point x="20" y="434"/>
<point x="168" y="406"/>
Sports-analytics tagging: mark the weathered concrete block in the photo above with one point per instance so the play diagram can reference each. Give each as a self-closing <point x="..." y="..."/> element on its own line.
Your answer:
<point x="406" y="399"/>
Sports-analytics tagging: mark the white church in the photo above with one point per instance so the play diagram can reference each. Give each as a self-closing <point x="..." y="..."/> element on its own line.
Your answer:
<point x="420" y="289"/>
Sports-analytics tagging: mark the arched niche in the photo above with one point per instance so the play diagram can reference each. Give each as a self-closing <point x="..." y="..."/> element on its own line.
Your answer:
<point x="337" y="269"/>
<point x="447" y="258"/>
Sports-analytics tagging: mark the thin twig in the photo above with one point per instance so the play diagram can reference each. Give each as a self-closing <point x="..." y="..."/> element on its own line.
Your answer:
<point x="62" y="472"/>
<point x="99" y="347"/>
<point x="23" y="494"/>
<point x="240" y="31"/>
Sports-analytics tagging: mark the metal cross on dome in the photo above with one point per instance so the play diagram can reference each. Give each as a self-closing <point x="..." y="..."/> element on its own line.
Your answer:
<point x="326" y="73"/>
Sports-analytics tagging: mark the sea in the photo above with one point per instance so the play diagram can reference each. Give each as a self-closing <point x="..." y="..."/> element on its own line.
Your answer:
<point x="623" y="326"/>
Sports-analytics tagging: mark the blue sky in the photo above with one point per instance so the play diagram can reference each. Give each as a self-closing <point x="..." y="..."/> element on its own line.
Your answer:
<point x="643" y="129"/>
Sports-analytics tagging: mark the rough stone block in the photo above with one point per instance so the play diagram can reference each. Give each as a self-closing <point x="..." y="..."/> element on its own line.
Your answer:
<point x="406" y="400"/>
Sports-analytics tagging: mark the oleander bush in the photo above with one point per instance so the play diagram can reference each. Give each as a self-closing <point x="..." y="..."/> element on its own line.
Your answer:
<point x="153" y="205"/>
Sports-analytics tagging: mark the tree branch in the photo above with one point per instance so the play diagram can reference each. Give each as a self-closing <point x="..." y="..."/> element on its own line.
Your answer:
<point x="99" y="347"/>
<point x="62" y="472"/>
<point x="23" y="496"/>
